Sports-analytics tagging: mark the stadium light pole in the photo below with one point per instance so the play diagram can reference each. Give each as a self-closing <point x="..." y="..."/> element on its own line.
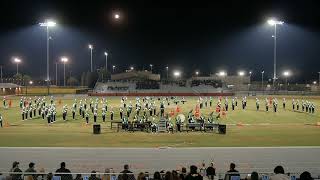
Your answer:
<point x="319" y="79"/>
<point x="17" y="61"/>
<point x="262" y="73"/>
<point x="91" y="48"/>
<point x="48" y="24"/>
<point x="151" y="67"/>
<point x="64" y="61"/>
<point x="113" y="67"/>
<point x="167" y="68"/>
<point x="106" y="54"/>
<point x="132" y="68"/>
<point x="273" y="22"/>
<point x="286" y="75"/>
<point x="56" y="73"/>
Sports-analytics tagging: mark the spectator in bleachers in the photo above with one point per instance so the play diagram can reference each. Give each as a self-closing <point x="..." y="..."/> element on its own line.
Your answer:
<point x="126" y="174"/>
<point x="305" y="176"/>
<point x="279" y="174"/>
<point x="141" y="176"/>
<point x="193" y="174"/>
<point x="183" y="173"/>
<point x="157" y="175"/>
<point x="233" y="169"/>
<point x="175" y="175"/>
<point x="107" y="175"/>
<point x="15" y="168"/>
<point x="31" y="170"/>
<point x="254" y="176"/>
<point x="63" y="169"/>
<point x="93" y="176"/>
<point x="168" y="176"/>
<point x="211" y="171"/>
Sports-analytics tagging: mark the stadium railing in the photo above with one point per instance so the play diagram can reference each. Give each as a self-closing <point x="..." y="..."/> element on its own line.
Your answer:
<point x="129" y="176"/>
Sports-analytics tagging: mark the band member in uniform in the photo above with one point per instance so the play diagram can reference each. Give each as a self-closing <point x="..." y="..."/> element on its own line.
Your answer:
<point x="226" y="104"/>
<point x="64" y="112"/>
<point x="293" y="104"/>
<point x="257" y="104"/>
<point x="284" y="103"/>
<point x="104" y="114"/>
<point x="267" y="104"/>
<point x="1" y="120"/>
<point x="161" y="109"/>
<point x="95" y="114"/>
<point x="87" y="116"/>
<point x="111" y="115"/>
<point x="275" y="105"/>
<point x="121" y="112"/>
<point x="297" y="104"/>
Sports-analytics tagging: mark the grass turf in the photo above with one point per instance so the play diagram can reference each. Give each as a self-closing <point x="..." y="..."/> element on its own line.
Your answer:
<point x="260" y="128"/>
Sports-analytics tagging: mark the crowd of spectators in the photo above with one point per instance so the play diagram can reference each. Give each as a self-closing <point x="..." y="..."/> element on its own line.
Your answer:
<point x="213" y="83"/>
<point x="147" y="85"/>
<point x="194" y="174"/>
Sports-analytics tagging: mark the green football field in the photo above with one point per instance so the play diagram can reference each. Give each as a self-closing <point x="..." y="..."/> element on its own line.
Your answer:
<point x="244" y="128"/>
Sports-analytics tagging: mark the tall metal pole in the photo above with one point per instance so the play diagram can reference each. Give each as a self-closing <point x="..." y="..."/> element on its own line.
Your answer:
<point x="91" y="58"/>
<point x="318" y="82"/>
<point x="262" y="80"/>
<point x="106" y="62"/>
<point x="275" y="56"/>
<point x="17" y="68"/>
<point x="56" y="74"/>
<point x="1" y="74"/>
<point x="48" y="77"/>
<point x="64" y="74"/>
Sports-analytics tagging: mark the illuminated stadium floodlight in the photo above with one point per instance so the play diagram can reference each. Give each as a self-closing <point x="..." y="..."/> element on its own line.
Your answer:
<point x="167" y="68"/>
<point x="17" y="61"/>
<point x="197" y="73"/>
<point x="241" y="73"/>
<point x="64" y="61"/>
<point x="151" y="67"/>
<point x="91" y="48"/>
<point x="314" y="82"/>
<point x="131" y="68"/>
<point x="113" y="68"/>
<point x="222" y="73"/>
<point x="48" y="23"/>
<point x="176" y="74"/>
<point x="274" y="22"/>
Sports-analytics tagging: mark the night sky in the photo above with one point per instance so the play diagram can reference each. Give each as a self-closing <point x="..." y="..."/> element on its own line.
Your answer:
<point x="228" y="35"/>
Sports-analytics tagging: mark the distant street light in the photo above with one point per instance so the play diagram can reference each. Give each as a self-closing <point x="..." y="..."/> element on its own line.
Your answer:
<point x="314" y="82"/>
<point x="64" y="61"/>
<point x="274" y="22"/>
<point x="48" y="24"/>
<point x="106" y="54"/>
<point x="17" y="61"/>
<point x="151" y="67"/>
<point x="286" y="75"/>
<point x="167" y="68"/>
<point x="113" y="67"/>
<point x="197" y="73"/>
<point x="132" y="68"/>
<point x="90" y="47"/>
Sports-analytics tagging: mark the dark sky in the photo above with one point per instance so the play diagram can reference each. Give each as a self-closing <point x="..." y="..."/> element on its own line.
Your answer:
<point x="229" y="35"/>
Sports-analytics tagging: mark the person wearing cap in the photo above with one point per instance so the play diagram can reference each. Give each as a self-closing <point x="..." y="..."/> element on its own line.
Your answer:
<point x="31" y="170"/>
<point x="15" y="168"/>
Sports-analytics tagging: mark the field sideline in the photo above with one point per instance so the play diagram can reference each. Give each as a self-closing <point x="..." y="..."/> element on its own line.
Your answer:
<point x="284" y="128"/>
